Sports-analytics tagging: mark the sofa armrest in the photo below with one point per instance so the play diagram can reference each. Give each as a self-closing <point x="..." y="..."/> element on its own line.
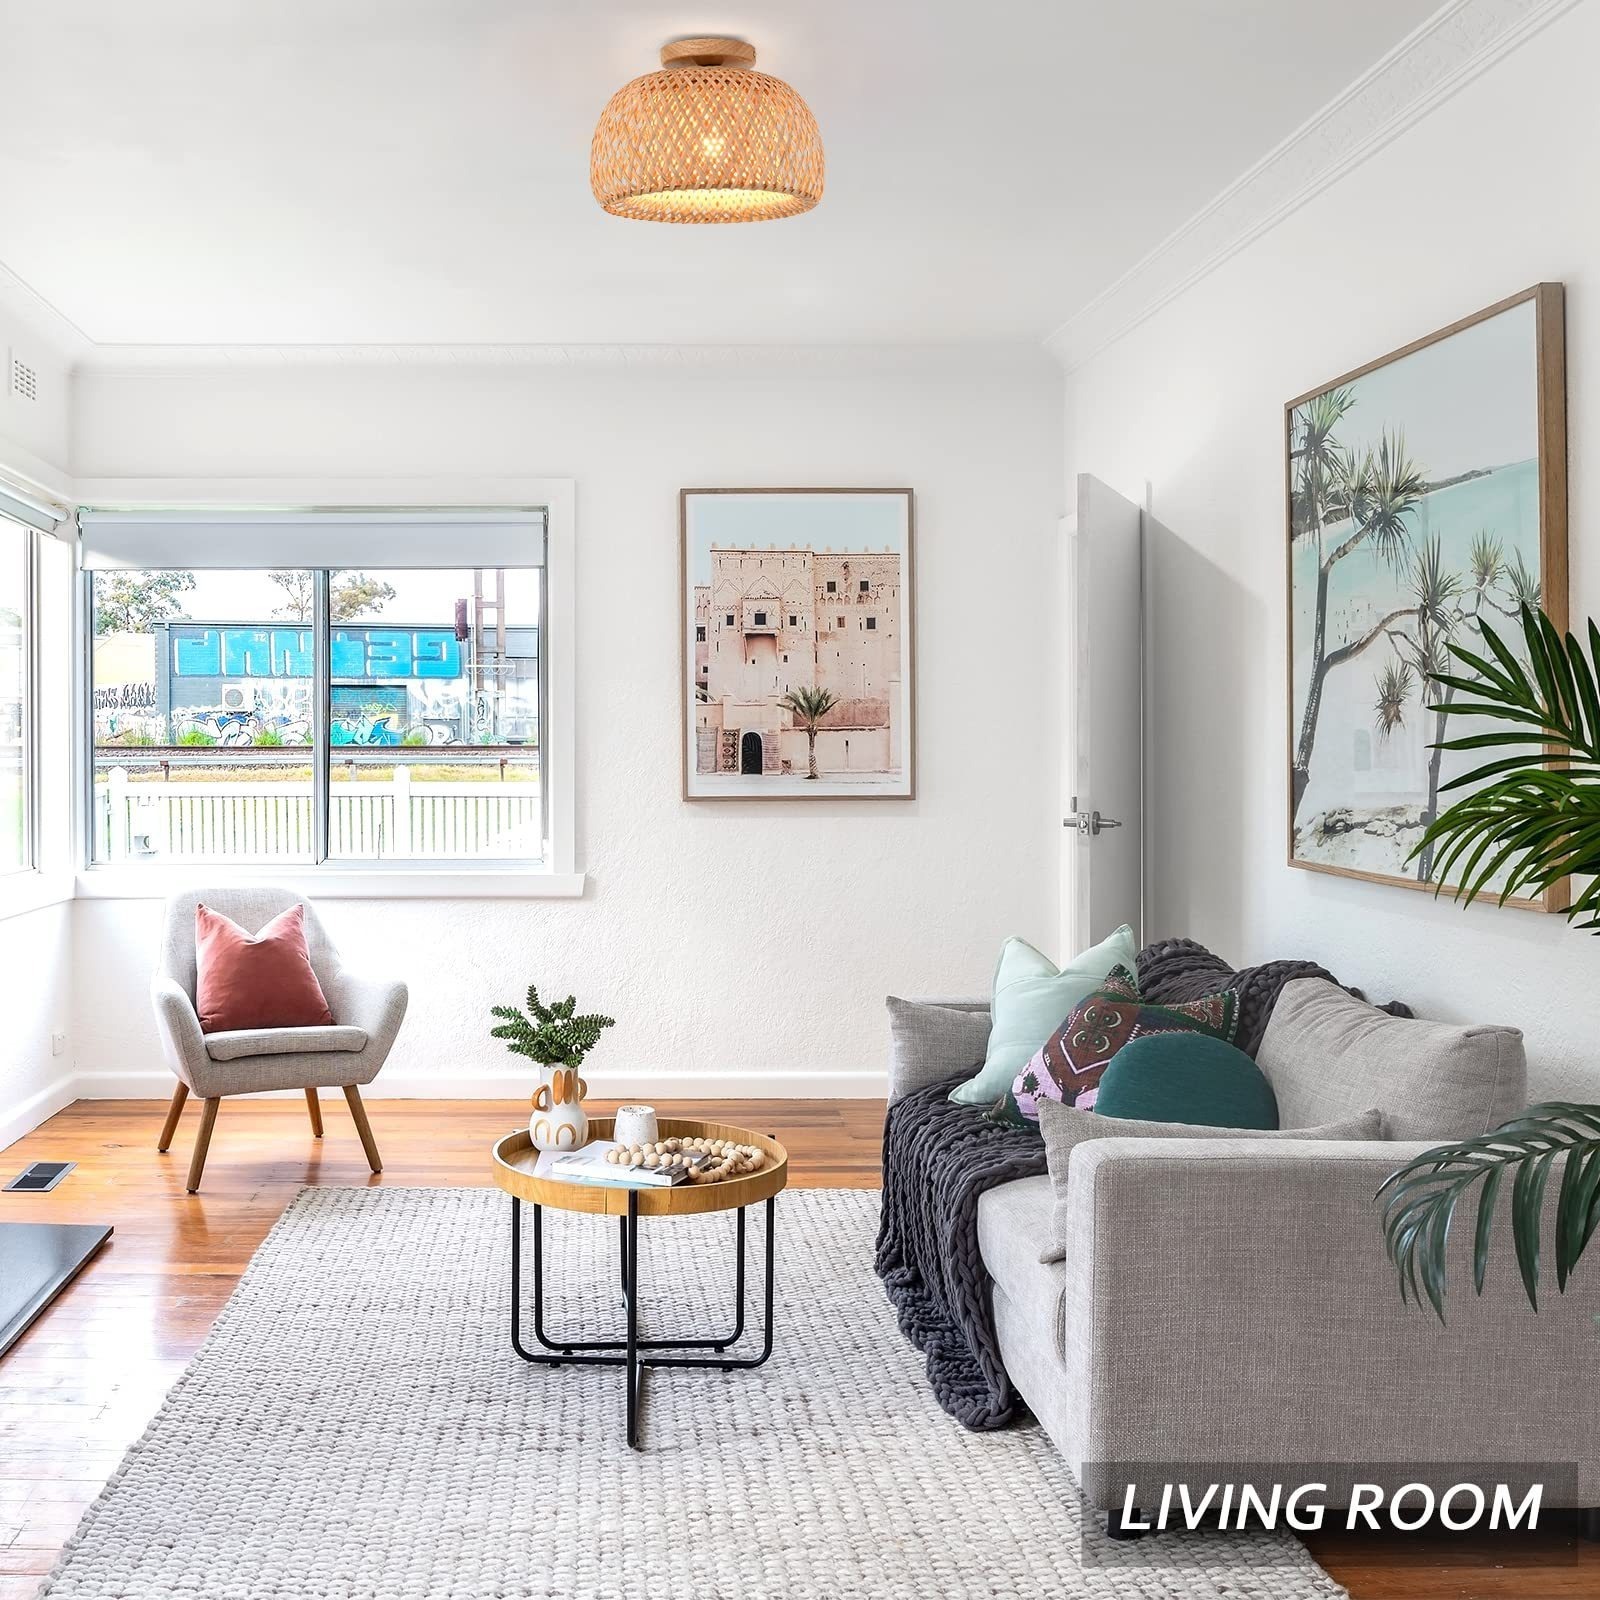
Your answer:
<point x="1231" y="1301"/>
<point x="376" y="1004"/>
<point x="182" y="1041"/>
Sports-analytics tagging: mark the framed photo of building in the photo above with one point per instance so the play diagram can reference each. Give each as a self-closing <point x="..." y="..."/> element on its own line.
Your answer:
<point x="797" y="643"/>
<point x="1426" y="501"/>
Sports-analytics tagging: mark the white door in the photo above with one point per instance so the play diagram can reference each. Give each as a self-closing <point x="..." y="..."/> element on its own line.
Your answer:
<point x="1102" y="855"/>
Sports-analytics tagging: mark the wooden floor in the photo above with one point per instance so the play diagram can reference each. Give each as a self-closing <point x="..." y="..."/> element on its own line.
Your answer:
<point x="85" y="1380"/>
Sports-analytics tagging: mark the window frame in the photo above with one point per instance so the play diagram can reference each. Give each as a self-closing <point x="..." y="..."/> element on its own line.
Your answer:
<point x="29" y="865"/>
<point x="556" y="875"/>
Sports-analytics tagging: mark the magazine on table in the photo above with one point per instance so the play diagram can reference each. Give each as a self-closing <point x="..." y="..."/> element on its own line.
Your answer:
<point x="589" y="1165"/>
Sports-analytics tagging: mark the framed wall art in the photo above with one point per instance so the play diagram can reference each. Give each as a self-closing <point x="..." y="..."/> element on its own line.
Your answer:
<point x="1426" y="500"/>
<point x="797" y="643"/>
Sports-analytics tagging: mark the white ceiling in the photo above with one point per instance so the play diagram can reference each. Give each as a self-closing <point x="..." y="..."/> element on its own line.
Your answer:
<point x="416" y="171"/>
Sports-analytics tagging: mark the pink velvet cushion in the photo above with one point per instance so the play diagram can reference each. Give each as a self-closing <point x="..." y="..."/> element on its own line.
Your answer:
<point x="264" y="981"/>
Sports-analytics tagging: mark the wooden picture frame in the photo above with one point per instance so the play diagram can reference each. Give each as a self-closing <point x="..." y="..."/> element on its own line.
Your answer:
<point x="839" y="568"/>
<point x="1497" y="375"/>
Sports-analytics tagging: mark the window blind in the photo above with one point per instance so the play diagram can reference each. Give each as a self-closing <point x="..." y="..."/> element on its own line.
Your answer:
<point x="387" y="538"/>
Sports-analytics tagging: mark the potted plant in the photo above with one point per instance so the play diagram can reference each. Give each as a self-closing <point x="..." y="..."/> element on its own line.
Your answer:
<point x="558" y="1041"/>
<point x="1530" y="820"/>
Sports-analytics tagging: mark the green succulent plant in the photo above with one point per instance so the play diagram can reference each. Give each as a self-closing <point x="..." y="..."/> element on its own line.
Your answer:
<point x="551" y="1035"/>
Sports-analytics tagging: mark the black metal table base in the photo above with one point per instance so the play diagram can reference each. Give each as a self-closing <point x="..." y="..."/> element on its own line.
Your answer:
<point x="632" y="1352"/>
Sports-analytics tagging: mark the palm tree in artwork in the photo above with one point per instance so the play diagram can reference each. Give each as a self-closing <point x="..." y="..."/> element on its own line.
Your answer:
<point x="808" y="707"/>
<point x="1319" y="454"/>
<point x="1379" y="492"/>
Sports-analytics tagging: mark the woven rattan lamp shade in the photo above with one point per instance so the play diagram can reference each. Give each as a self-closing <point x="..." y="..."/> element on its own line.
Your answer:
<point x="707" y="139"/>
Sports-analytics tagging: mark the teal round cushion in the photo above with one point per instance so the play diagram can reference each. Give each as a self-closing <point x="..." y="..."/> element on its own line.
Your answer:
<point x="1186" y="1077"/>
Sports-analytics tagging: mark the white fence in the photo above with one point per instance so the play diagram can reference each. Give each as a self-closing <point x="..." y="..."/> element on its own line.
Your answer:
<point x="272" y="821"/>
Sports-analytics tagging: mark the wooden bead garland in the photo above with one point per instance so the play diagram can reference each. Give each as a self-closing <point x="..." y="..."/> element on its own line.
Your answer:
<point x="728" y="1158"/>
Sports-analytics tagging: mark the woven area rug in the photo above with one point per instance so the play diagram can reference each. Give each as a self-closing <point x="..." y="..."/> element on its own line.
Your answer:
<point x="358" y="1425"/>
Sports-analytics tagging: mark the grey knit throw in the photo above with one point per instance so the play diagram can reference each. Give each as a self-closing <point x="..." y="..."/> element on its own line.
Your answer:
<point x="940" y="1158"/>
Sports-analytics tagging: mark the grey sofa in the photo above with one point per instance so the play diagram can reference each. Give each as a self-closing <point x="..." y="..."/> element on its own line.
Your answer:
<point x="1228" y="1302"/>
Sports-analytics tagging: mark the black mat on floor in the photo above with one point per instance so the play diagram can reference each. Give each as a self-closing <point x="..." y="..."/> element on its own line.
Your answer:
<point x="37" y="1261"/>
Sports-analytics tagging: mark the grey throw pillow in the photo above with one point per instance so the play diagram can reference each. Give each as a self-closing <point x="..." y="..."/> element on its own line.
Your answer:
<point x="1065" y="1128"/>
<point x="931" y="1042"/>
<point x="1327" y="1054"/>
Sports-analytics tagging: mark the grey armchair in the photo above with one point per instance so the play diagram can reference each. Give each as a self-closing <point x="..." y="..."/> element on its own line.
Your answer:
<point x="367" y="1016"/>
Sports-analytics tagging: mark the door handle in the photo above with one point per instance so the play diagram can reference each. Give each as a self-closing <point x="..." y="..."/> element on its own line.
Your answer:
<point x="1089" y="823"/>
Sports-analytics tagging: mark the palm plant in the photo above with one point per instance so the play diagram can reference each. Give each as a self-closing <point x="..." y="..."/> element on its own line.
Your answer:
<point x="1538" y="823"/>
<point x="808" y="707"/>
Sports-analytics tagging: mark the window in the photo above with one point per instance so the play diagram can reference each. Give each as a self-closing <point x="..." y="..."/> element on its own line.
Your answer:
<point x="308" y="714"/>
<point x="833" y="588"/>
<point x="864" y="586"/>
<point x="761" y="619"/>
<point x="872" y="622"/>
<point x="700" y="635"/>
<point x="794" y="621"/>
<point x="16" y="730"/>
<point x="841" y="622"/>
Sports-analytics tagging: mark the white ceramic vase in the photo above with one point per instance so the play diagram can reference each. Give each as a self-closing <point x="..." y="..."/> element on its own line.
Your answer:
<point x="558" y="1121"/>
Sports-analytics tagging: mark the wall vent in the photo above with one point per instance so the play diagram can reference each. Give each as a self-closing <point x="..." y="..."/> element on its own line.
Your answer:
<point x="24" y="380"/>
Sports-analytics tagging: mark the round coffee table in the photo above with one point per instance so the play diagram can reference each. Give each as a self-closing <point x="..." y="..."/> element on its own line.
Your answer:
<point x="514" y="1162"/>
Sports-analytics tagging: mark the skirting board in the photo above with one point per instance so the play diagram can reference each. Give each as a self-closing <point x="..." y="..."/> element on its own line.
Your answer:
<point x="24" y="1118"/>
<point x="470" y="1086"/>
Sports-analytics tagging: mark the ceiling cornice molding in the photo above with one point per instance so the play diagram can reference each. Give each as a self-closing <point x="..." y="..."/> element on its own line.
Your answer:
<point x="1454" y="45"/>
<point x="58" y="330"/>
<point x="911" y="359"/>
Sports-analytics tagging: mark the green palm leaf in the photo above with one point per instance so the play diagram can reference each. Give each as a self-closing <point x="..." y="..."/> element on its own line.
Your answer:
<point x="1420" y="1200"/>
<point x="1535" y="822"/>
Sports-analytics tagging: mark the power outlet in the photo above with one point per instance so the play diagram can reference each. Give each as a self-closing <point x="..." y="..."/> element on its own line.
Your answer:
<point x="58" y="1044"/>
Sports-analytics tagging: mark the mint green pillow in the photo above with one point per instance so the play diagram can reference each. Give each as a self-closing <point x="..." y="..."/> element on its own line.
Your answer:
<point x="1186" y="1077"/>
<point x="1032" y="998"/>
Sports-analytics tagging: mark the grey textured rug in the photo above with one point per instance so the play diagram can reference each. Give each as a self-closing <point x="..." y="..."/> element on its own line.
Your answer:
<point x="357" y="1425"/>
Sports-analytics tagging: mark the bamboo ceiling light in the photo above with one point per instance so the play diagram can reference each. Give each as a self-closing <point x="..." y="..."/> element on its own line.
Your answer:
<point x="706" y="139"/>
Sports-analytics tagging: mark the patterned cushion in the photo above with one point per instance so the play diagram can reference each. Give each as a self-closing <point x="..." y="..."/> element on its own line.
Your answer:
<point x="1069" y="1064"/>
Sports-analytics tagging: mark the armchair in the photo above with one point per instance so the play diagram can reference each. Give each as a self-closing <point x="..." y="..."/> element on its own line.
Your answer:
<point x="367" y="1011"/>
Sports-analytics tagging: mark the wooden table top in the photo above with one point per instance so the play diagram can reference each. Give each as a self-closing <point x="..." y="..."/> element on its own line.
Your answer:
<point x="515" y="1159"/>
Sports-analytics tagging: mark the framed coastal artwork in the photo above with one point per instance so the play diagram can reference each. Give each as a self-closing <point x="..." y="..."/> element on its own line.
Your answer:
<point x="1427" y="499"/>
<point x="797" y="643"/>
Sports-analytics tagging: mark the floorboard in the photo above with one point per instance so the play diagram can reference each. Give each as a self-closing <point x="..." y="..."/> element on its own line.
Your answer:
<point x="84" y="1381"/>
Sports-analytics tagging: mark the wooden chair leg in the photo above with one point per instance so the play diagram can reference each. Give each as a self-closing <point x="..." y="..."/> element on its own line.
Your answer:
<point x="202" y="1143"/>
<point x="358" y="1113"/>
<point x="174" y="1111"/>
<point x="314" y="1106"/>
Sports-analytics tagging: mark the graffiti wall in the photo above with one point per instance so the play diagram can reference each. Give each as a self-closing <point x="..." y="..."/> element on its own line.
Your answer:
<point x="241" y="685"/>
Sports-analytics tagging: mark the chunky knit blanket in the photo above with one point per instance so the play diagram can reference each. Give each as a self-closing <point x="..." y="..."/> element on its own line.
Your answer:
<point x="939" y="1159"/>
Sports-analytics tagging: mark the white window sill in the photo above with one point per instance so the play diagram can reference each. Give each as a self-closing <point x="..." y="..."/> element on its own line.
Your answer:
<point x="156" y="882"/>
<point x="22" y="892"/>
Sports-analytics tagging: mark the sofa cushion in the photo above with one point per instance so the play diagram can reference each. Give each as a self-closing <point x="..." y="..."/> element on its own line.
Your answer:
<point x="1065" y="1128"/>
<point x="930" y="1042"/>
<point x="1186" y="1077"/>
<point x="259" y="980"/>
<point x="1014" y="1230"/>
<point x="1328" y="1055"/>
<point x="1068" y="1065"/>
<point x="233" y="1043"/>
<point x="1032" y="997"/>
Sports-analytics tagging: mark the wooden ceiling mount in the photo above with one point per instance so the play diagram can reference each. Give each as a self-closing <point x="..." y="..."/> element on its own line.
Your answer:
<point x="714" y="52"/>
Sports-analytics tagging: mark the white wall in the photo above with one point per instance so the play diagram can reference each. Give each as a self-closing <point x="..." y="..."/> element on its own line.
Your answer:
<point x="36" y="990"/>
<point x="752" y="942"/>
<point x="1487" y="195"/>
